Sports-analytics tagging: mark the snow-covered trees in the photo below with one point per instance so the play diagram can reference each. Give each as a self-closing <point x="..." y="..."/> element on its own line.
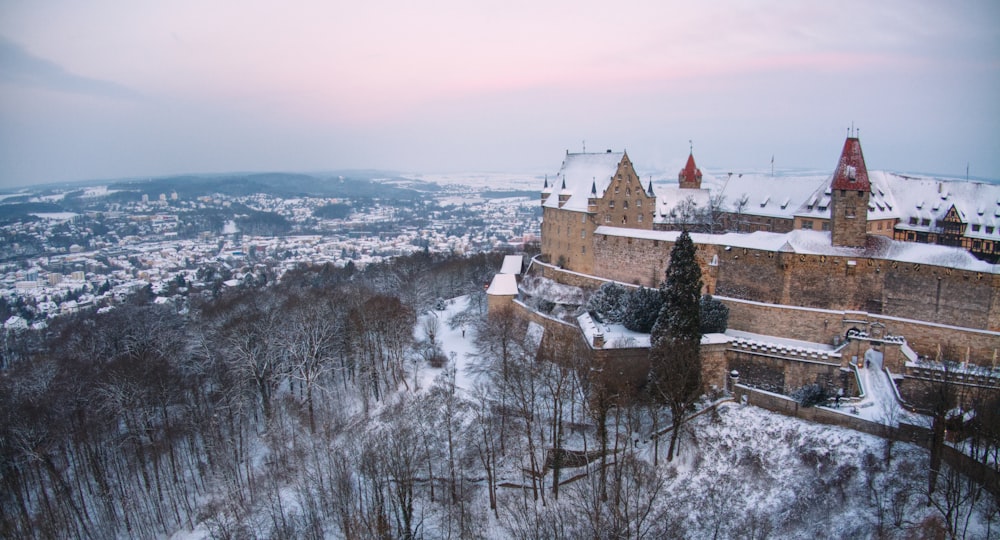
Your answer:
<point x="642" y="306"/>
<point x="609" y="302"/>
<point x="714" y="315"/>
<point x="674" y="353"/>
<point x="634" y="308"/>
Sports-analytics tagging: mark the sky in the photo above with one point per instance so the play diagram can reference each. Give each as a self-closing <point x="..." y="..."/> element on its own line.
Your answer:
<point x="109" y="89"/>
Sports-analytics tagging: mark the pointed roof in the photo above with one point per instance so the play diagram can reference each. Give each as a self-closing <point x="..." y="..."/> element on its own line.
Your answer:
<point x="851" y="173"/>
<point x="582" y="174"/>
<point x="690" y="174"/>
<point x="649" y="190"/>
<point x="690" y="167"/>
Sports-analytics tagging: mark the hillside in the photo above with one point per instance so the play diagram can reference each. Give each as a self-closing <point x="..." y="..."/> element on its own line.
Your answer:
<point x="313" y="408"/>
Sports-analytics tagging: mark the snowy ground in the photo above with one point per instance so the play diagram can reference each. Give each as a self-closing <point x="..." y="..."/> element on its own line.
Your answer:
<point x="458" y="344"/>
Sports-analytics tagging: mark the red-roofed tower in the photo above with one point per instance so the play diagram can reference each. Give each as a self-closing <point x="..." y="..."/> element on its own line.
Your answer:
<point x="690" y="175"/>
<point x="850" y="190"/>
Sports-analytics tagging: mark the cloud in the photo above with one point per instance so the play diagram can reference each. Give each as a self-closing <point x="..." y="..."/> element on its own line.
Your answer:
<point x="22" y="68"/>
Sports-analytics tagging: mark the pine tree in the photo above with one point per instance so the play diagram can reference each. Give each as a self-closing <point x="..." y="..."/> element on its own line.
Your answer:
<point x="674" y="353"/>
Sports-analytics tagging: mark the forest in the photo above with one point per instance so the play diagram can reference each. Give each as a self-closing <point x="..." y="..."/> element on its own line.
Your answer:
<point x="331" y="405"/>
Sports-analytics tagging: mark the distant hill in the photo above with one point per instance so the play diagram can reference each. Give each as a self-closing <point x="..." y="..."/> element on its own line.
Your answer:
<point x="366" y="184"/>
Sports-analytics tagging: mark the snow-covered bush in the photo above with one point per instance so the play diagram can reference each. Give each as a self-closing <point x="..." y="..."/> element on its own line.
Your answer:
<point x="714" y="315"/>
<point x="641" y="308"/>
<point x="811" y="395"/>
<point x="609" y="302"/>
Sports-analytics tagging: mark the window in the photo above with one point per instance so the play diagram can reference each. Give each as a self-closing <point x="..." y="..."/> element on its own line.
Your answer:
<point x="607" y="218"/>
<point x="913" y="221"/>
<point x="638" y="203"/>
<point x="975" y="228"/>
<point x="826" y="225"/>
<point x="849" y="212"/>
<point x="583" y="218"/>
<point x="989" y="229"/>
<point x="583" y="233"/>
<point x="611" y="204"/>
<point x="625" y="205"/>
<point x="583" y="249"/>
<point x="640" y="218"/>
<point x="807" y="224"/>
<point x="925" y="222"/>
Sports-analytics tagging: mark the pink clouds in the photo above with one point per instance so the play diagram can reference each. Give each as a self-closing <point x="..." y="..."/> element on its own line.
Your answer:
<point x="471" y="71"/>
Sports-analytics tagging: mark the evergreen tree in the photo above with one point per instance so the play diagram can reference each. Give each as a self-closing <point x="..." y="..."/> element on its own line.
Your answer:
<point x="674" y="353"/>
<point x="714" y="315"/>
<point x="609" y="302"/>
<point x="642" y="307"/>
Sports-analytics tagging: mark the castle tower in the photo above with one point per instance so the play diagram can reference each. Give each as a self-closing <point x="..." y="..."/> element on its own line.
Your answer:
<point x="850" y="190"/>
<point x="690" y="175"/>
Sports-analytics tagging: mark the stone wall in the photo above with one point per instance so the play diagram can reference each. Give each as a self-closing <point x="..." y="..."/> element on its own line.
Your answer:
<point x="566" y="238"/>
<point x="929" y="305"/>
<point x="831" y="326"/>
<point x="785" y="375"/>
<point x="907" y="290"/>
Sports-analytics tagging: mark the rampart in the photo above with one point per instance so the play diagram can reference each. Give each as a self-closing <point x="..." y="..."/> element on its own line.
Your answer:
<point x="766" y="290"/>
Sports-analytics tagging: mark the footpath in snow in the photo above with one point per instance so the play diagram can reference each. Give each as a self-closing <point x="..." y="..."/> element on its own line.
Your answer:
<point x="879" y="403"/>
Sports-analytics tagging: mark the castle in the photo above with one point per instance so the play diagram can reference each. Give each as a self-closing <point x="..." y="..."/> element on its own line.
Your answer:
<point x="815" y="274"/>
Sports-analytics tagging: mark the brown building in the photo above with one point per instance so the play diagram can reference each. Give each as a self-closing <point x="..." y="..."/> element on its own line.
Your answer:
<point x="834" y="274"/>
<point x="591" y="190"/>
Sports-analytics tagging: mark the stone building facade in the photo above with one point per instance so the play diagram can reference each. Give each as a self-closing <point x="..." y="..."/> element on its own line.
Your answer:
<point x="834" y="277"/>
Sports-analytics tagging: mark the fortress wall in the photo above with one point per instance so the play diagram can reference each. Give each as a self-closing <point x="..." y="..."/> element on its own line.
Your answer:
<point x="750" y="274"/>
<point x="941" y="295"/>
<point x="922" y="292"/>
<point x="631" y="260"/>
<point x="555" y="273"/>
<point x="643" y="262"/>
<point x="824" y="326"/>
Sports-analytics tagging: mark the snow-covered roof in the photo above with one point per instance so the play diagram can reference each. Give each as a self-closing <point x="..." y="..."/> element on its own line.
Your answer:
<point x="772" y="196"/>
<point x="512" y="264"/>
<point x="579" y="174"/>
<point x="851" y="172"/>
<point x="881" y="202"/>
<point x="671" y="203"/>
<point x="503" y="285"/>
<point x="923" y="201"/>
<point x="809" y="242"/>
